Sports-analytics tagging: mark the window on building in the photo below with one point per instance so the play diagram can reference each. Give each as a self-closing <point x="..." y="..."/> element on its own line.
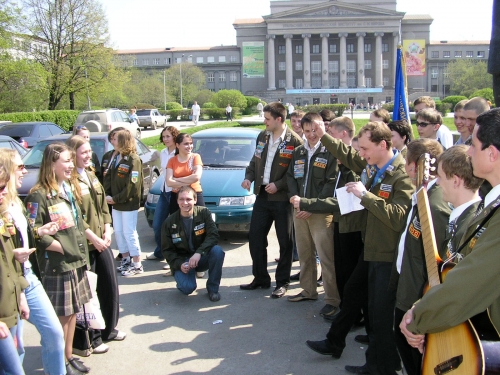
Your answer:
<point x="480" y="54"/>
<point x="368" y="47"/>
<point x="281" y="50"/>
<point x="458" y="54"/>
<point x="210" y="59"/>
<point x="210" y="77"/>
<point x="333" y="48"/>
<point x="135" y="62"/>
<point x="316" y="67"/>
<point x="333" y="81"/>
<point x="222" y="77"/>
<point x="388" y="99"/>
<point x="435" y="54"/>
<point x="282" y="83"/>
<point x="190" y="59"/>
<point x="222" y="58"/>
<point x="434" y="88"/>
<point x="351" y="66"/>
<point x="368" y="82"/>
<point x="145" y="62"/>
<point x="385" y="81"/>
<point x="156" y="61"/>
<point x="368" y="64"/>
<point x="385" y="47"/>
<point x="385" y="64"/>
<point x="469" y="54"/>
<point x="282" y="66"/>
<point x="446" y="54"/>
<point x="315" y="48"/>
<point x="434" y="72"/>
<point x="233" y="59"/>
<point x="333" y="66"/>
<point x="298" y="49"/>
<point x="350" y="48"/>
<point x="178" y="60"/>
<point x="213" y="90"/>
<point x="167" y="60"/>
<point x="233" y="77"/>
<point x="298" y="65"/>
<point x="299" y="83"/>
<point x="199" y="60"/>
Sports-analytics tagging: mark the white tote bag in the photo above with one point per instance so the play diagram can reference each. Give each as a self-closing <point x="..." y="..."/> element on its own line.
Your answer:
<point x="91" y="313"/>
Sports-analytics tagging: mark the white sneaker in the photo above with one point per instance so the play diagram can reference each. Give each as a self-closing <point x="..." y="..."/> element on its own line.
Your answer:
<point x="101" y="349"/>
<point x="152" y="256"/>
<point x="199" y="275"/>
<point x="124" y="265"/>
<point x="131" y="271"/>
<point x="166" y="266"/>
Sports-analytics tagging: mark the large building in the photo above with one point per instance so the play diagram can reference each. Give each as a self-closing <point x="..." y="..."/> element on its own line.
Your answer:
<point x="317" y="51"/>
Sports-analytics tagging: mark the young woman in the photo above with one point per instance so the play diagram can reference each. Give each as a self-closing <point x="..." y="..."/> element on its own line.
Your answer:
<point x="62" y="251"/>
<point x="123" y="187"/>
<point x="167" y="136"/>
<point x="82" y="131"/>
<point x="42" y="314"/>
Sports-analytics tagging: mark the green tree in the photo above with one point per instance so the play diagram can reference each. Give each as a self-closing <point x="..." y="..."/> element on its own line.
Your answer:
<point x="204" y="96"/>
<point x="467" y="76"/>
<point x="233" y="97"/>
<point x="193" y="81"/>
<point x="145" y="86"/>
<point x="484" y="93"/>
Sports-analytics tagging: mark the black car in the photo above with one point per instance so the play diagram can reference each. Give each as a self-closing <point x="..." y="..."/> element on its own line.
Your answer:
<point x="8" y="142"/>
<point x="29" y="134"/>
<point x="151" y="162"/>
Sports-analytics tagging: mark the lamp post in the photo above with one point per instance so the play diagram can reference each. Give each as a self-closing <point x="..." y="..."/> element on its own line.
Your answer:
<point x="164" y="91"/>
<point x="180" y="69"/>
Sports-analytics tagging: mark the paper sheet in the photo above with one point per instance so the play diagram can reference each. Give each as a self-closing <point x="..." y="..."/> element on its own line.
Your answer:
<point x="348" y="202"/>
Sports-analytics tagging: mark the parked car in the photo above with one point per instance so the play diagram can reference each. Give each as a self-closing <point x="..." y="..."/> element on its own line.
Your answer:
<point x="151" y="163"/>
<point x="29" y="134"/>
<point x="151" y="118"/>
<point x="106" y="119"/>
<point x="8" y="142"/>
<point x="225" y="152"/>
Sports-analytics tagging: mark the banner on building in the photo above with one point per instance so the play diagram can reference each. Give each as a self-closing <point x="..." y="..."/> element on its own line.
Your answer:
<point x="401" y="110"/>
<point x="253" y="59"/>
<point x="414" y="53"/>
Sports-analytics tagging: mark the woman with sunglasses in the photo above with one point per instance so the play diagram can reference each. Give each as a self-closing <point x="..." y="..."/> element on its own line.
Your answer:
<point x="61" y="244"/>
<point x="42" y="314"/>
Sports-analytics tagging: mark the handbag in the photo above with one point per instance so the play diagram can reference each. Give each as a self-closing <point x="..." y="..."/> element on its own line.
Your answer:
<point x="82" y="344"/>
<point x="190" y="117"/>
<point x="92" y="310"/>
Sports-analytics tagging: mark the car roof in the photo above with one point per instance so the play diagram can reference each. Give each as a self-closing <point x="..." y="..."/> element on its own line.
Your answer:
<point x="29" y="123"/>
<point x="7" y="138"/>
<point x="65" y="136"/>
<point x="101" y="110"/>
<point x="228" y="132"/>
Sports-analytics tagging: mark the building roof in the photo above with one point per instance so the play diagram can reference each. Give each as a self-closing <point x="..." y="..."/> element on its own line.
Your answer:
<point x="417" y="17"/>
<point x="245" y="21"/>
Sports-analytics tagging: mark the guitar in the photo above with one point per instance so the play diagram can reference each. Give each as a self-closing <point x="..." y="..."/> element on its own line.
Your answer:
<point x="463" y="349"/>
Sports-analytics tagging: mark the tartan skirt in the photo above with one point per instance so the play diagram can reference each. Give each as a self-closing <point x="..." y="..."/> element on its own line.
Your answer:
<point x="68" y="291"/>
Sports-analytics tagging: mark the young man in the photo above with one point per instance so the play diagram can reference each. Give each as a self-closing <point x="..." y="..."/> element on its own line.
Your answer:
<point x="459" y="120"/>
<point x="475" y="277"/>
<point x="267" y="170"/>
<point x="189" y="244"/>
<point x="428" y="122"/>
<point x="328" y="116"/>
<point x="195" y="112"/>
<point x="380" y="115"/>
<point x="402" y="134"/>
<point x="295" y="118"/>
<point x="312" y="174"/>
<point x="473" y="108"/>
<point x="444" y="134"/>
<point x="385" y="192"/>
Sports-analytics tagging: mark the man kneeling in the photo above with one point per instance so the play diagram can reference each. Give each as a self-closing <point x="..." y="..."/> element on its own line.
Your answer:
<point x="189" y="244"/>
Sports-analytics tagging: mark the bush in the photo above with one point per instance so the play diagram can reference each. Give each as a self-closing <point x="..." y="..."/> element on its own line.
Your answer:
<point x="64" y="118"/>
<point x="485" y="94"/>
<point x="175" y="113"/>
<point x="209" y="105"/>
<point x="337" y="108"/>
<point x="453" y="100"/>
<point x="144" y="106"/>
<point x="234" y="97"/>
<point x="173" y="105"/>
<point x="443" y="108"/>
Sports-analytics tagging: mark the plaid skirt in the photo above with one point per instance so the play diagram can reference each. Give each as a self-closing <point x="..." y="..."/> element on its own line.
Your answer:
<point x="68" y="291"/>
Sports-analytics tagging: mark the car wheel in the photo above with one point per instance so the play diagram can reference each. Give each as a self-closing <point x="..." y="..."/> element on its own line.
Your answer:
<point x="153" y="125"/>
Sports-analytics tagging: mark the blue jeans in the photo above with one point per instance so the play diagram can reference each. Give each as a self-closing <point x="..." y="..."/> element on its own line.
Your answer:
<point x="161" y="213"/>
<point x="44" y="318"/>
<point x="213" y="261"/>
<point x="10" y="361"/>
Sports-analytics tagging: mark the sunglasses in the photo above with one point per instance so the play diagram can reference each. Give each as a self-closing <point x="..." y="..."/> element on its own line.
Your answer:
<point x="21" y="167"/>
<point x="423" y="124"/>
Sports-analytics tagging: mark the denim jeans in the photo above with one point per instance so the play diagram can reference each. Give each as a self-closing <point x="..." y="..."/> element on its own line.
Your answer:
<point x="213" y="261"/>
<point x="44" y="318"/>
<point x="10" y="361"/>
<point x="125" y="227"/>
<point x="161" y="213"/>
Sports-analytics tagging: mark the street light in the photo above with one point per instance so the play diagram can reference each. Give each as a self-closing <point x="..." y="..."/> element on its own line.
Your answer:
<point x="164" y="91"/>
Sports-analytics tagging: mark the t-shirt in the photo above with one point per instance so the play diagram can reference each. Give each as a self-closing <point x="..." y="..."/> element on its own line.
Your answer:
<point x="186" y="168"/>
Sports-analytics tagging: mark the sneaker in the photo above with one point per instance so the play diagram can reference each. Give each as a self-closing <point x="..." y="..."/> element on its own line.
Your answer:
<point x="124" y="265"/>
<point x="166" y="266"/>
<point x="152" y="256"/>
<point x="199" y="275"/>
<point x="101" y="349"/>
<point x="131" y="271"/>
<point x="328" y="310"/>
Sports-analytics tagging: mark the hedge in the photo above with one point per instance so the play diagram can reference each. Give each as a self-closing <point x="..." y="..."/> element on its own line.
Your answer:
<point x="211" y="113"/>
<point x="337" y="108"/>
<point x="64" y="118"/>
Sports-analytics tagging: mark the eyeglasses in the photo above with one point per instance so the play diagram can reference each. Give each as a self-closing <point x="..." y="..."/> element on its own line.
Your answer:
<point x="21" y="167"/>
<point x="423" y="124"/>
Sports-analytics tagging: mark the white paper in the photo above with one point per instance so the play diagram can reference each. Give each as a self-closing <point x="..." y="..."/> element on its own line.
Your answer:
<point x="348" y="202"/>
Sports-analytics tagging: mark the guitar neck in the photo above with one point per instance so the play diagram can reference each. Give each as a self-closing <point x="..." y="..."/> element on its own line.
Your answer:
<point x="428" y="238"/>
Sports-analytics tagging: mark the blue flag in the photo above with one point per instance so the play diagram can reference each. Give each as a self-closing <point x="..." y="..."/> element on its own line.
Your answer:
<point x="401" y="110"/>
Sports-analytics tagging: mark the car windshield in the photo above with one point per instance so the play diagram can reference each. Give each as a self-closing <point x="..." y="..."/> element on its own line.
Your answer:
<point x="226" y="152"/>
<point x="33" y="158"/>
<point x="143" y="112"/>
<point x="17" y="130"/>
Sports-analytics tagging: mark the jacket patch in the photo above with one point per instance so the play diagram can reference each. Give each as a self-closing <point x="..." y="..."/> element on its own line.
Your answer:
<point x="134" y="177"/>
<point x="298" y="169"/>
<point x="259" y="149"/>
<point x="96" y="183"/>
<point x="386" y="187"/>
<point x="414" y="232"/>
<point x="320" y="162"/>
<point x="123" y="168"/>
<point x="286" y="153"/>
<point x="472" y="242"/>
<point x="284" y="165"/>
<point x="32" y="208"/>
<point x="61" y="214"/>
<point x="199" y="226"/>
<point x="176" y="238"/>
<point x="199" y="232"/>
<point x="383" y="194"/>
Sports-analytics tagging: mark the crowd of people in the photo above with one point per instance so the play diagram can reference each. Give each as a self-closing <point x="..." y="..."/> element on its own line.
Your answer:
<point x="371" y="255"/>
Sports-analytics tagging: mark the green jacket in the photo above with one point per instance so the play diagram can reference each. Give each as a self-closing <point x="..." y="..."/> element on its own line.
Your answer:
<point x="12" y="281"/>
<point x="321" y="172"/>
<point x="94" y="208"/>
<point x="413" y="276"/>
<point x="40" y="204"/>
<point x="174" y="241"/>
<point x="387" y="203"/>
<point x="124" y="182"/>
<point x="255" y="170"/>
<point x="471" y="287"/>
<point x="462" y="226"/>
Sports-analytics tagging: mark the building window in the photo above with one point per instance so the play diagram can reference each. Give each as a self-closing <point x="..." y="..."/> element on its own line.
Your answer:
<point x="385" y="81"/>
<point x="281" y="66"/>
<point x="281" y="50"/>
<point x="222" y="77"/>
<point x="446" y="54"/>
<point x="434" y="88"/>
<point x="469" y="54"/>
<point x="298" y="49"/>
<point x="315" y="48"/>
<point x="298" y="83"/>
<point x="281" y="83"/>
<point x="145" y="62"/>
<point x="480" y="54"/>
<point x="316" y="82"/>
<point x="210" y="59"/>
<point x="458" y="54"/>
<point x="210" y="77"/>
<point x="434" y="73"/>
<point x="316" y="67"/>
<point x="333" y="81"/>
<point x="233" y="59"/>
<point x="368" y="64"/>
<point x="385" y="64"/>
<point x="333" y="48"/>
<point x="135" y="62"/>
<point x="222" y="59"/>
<point x="385" y="47"/>
<point x="350" y="48"/>
<point x="156" y="61"/>
<point x="368" y="82"/>
<point x="178" y="60"/>
<point x="199" y="60"/>
<point x="368" y="47"/>
<point x="167" y="61"/>
<point x="435" y="54"/>
<point x="233" y="77"/>
<point x="333" y="66"/>
<point x="298" y="65"/>
<point x="351" y="66"/>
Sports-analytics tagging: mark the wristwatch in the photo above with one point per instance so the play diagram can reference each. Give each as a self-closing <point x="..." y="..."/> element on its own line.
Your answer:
<point x="363" y="193"/>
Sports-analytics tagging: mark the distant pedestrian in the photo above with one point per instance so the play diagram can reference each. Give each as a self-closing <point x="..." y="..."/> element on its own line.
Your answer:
<point x="133" y="115"/>
<point x="229" y="110"/>
<point x="195" y="112"/>
<point x="260" y="108"/>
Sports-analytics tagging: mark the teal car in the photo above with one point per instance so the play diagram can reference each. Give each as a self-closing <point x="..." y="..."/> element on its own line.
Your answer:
<point x="225" y="152"/>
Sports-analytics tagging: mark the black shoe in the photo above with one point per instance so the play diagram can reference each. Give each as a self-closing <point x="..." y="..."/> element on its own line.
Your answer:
<point x="70" y="370"/>
<point x="295" y="277"/>
<point x="279" y="291"/>
<point x="214" y="297"/>
<point x="324" y="347"/>
<point x="358" y="369"/>
<point x="254" y="285"/>
<point x="362" y="339"/>
<point x="77" y="364"/>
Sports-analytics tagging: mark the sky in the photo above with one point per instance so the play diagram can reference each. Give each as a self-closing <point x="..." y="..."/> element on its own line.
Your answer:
<point x="149" y="24"/>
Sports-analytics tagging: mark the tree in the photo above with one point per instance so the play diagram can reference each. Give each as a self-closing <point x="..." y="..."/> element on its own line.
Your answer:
<point x="145" y="86"/>
<point x="485" y="94"/>
<point x="233" y="97"/>
<point x="193" y="81"/>
<point x="204" y="96"/>
<point x="467" y="76"/>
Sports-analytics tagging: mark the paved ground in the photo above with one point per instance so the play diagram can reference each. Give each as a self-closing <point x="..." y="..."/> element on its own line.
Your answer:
<point x="169" y="333"/>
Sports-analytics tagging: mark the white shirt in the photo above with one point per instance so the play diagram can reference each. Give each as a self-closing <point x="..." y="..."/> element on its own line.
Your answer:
<point x="16" y="212"/>
<point x="271" y="151"/>
<point x="196" y="109"/>
<point x="445" y="137"/>
<point x="229" y="109"/>
<point x="310" y="153"/>
<point x="291" y="108"/>
<point x="165" y="156"/>
<point x="455" y="214"/>
<point x="492" y="195"/>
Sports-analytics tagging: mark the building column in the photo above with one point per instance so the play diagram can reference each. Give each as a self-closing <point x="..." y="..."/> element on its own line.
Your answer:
<point x="307" y="61"/>
<point x="343" y="60"/>
<point x="324" y="61"/>
<point x="289" y="62"/>
<point x="378" y="59"/>
<point x="395" y="43"/>
<point x="271" y="65"/>
<point x="361" y="59"/>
